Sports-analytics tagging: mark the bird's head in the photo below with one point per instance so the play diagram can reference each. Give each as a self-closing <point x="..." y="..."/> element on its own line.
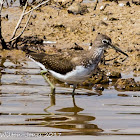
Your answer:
<point x="103" y="41"/>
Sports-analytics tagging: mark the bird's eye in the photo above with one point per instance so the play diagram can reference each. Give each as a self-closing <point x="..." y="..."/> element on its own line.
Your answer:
<point x="105" y="41"/>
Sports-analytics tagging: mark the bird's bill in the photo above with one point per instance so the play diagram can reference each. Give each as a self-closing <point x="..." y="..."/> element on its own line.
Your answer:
<point x="118" y="49"/>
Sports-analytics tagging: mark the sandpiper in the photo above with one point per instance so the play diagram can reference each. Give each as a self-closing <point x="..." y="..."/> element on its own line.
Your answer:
<point x="78" y="66"/>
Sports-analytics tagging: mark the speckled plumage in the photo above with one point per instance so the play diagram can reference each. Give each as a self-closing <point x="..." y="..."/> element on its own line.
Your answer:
<point x="53" y="62"/>
<point x="77" y="66"/>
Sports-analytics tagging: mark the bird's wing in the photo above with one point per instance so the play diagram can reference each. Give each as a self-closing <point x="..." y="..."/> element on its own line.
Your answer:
<point x="54" y="62"/>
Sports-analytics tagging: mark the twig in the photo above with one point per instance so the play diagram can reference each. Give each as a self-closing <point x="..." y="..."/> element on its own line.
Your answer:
<point x="20" y="19"/>
<point x="112" y="58"/>
<point x="96" y="5"/>
<point x="23" y="27"/>
<point x="3" y="43"/>
<point x="36" y="7"/>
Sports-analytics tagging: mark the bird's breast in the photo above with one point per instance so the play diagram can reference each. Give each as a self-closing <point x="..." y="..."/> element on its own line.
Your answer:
<point x="79" y="74"/>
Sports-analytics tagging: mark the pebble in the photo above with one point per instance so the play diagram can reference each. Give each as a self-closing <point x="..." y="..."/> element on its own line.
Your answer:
<point x="99" y="87"/>
<point x="114" y="74"/>
<point x="121" y="4"/>
<point x="127" y="84"/>
<point x="77" y="8"/>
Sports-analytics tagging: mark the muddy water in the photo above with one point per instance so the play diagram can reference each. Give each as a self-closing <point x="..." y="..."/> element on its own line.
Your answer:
<point x="28" y="111"/>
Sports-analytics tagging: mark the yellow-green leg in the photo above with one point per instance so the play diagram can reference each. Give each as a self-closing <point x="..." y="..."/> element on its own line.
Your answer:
<point x="43" y="73"/>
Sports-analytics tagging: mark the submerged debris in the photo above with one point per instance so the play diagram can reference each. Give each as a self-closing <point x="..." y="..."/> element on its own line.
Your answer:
<point x="127" y="84"/>
<point x="114" y="74"/>
<point x="99" y="87"/>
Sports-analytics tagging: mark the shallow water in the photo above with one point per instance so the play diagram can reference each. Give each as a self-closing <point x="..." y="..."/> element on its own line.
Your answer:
<point x="27" y="110"/>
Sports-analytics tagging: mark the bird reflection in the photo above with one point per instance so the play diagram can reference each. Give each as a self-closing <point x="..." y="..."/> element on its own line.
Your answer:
<point x="52" y="103"/>
<point x="69" y="118"/>
<point x="75" y="109"/>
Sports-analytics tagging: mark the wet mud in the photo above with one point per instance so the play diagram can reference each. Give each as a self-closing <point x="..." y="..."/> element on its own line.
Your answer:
<point x="106" y="104"/>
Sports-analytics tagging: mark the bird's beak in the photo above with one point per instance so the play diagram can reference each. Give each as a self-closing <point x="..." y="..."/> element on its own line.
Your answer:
<point x="117" y="49"/>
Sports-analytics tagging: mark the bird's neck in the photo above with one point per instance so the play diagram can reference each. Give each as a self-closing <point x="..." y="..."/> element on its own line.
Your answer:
<point x="96" y="52"/>
<point x="93" y="57"/>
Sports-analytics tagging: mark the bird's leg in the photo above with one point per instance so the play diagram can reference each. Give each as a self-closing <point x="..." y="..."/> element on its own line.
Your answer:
<point x="48" y="81"/>
<point x="74" y="87"/>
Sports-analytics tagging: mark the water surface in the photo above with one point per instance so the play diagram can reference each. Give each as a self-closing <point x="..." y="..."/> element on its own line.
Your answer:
<point x="28" y="110"/>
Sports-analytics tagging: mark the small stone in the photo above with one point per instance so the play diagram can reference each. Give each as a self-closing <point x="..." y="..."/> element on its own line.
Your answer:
<point x="77" y="8"/>
<point x="76" y="47"/>
<point x="123" y="95"/>
<point x="102" y="8"/>
<point x="68" y="29"/>
<point x="6" y="17"/>
<point x="114" y="74"/>
<point x="44" y="37"/>
<point x="128" y="4"/>
<point x="130" y="49"/>
<point x="34" y="16"/>
<point x="99" y="87"/>
<point x="121" y="4"/>
<point x="137" y="69"/>
<point x="136" y="2"/>
<point x="103" y="23"/>
<point x="105" y="18"/>
<point x="127" y="85"/>
<point x="93" y="29"/>
<point x="138" y="56"/>
<point x="113" y="19"/>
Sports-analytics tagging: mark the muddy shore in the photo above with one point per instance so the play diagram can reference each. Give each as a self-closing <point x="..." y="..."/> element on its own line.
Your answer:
<point x="105" y="107"/>
<point x="53" y="23"/>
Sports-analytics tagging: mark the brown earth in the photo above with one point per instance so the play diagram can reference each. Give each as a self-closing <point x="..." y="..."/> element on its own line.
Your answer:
<point x="122" y="24"/>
